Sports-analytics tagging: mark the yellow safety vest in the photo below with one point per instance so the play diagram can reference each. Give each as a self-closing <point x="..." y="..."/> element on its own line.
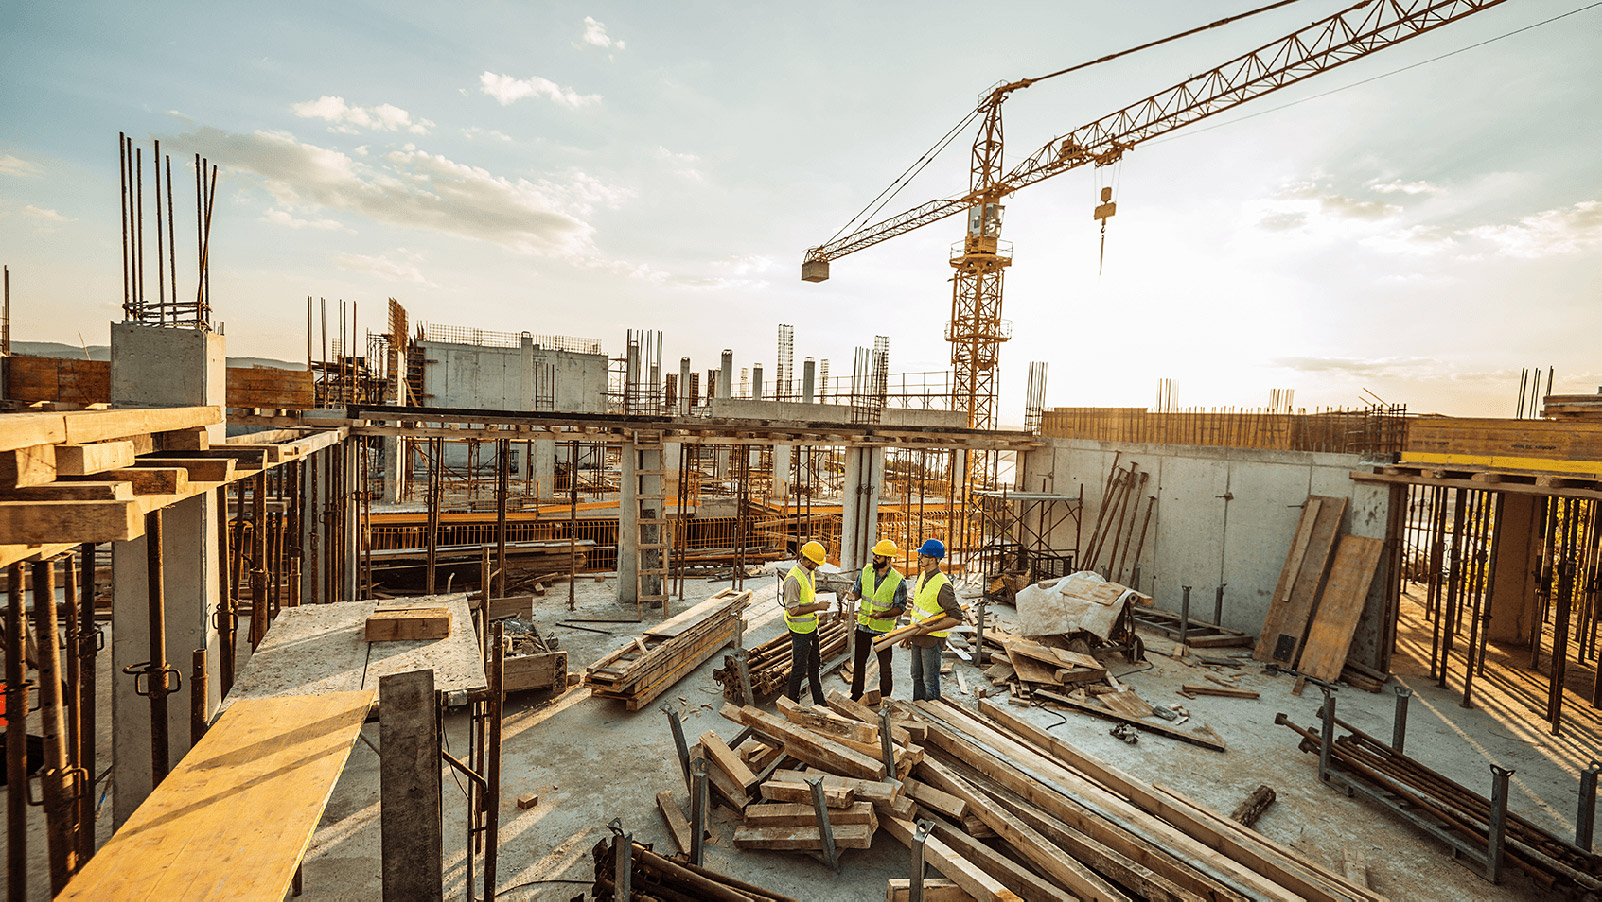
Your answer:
<point x="926" y="601"/>
<point x="882" y="598"/>
<point x="806" y="623"/>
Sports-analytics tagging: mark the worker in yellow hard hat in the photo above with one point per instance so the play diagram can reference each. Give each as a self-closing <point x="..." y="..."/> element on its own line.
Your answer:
<point x="883" y="592"/>
<point x="933" y="599"/>
<point x="798" y="594"/>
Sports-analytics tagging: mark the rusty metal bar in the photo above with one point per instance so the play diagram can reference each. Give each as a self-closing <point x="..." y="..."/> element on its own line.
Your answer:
<point x="197" y="697"/>
<point x="503" y="476"/>
<point x="16" y="742"/>
<point x="156" y="670"/>
<point x="87" y="650"/>
<point x="59" y="841"/>
<point x="492" y="828"/>
<point x="258" y="559"/>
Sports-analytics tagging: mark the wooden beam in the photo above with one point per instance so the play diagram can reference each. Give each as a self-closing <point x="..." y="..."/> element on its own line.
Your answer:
<point x="22" y="468"/>
<point x="87" y="460"/>
<point x="83" y="427"/>
<point x="152" y="480"/>
<point x="201" y="469"/>
<point x="807" y="746"/>
<point x="19" y="430"/>
<point x="410" y="838"/>
<point x="46" y="522"/>
<point x="75" y="490"/>
<point x="798" y="814"/>
<point x="956" y="868"/>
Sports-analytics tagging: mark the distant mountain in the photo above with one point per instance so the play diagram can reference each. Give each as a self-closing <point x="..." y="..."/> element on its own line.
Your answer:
<point x="103" y="352"/>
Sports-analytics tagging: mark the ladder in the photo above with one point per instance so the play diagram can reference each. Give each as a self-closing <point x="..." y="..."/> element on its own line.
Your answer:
<point x="650" y="524"/>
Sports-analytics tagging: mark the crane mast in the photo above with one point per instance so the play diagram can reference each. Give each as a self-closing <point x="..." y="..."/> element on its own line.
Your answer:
<point x="976" y="329"/>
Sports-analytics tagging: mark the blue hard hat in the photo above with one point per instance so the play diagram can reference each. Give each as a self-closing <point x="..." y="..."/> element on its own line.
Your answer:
<point x="932" y="548"/>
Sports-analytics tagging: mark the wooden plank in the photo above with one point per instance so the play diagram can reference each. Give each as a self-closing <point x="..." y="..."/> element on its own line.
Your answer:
<point x="409" y="623"/>
<point x="250" y="794"/>
<point x="1007" y="872"/>
<point x="688" y="618"/>
<point x="30" y="466"/>
<point x="797" y="814"/>
<point x="950" y="863"/>
<point x="1160" y="728"/>
<point x="457" y="661"/>
<point x="152" y="480"/>
<point x="724" y="759"/>
<point x="846" y="836"/>
<point x="935" y="889"/>
<point x="1330" y="635"/>
<point x="826" y="722"/>
<point x="1195" y="821"/>
<point x="873" y="791"/>
<point x="806" y="746"/>
<point x="547" y="670"/>
<point x="47" y="522"/>
<point x="501" y="608"/>
<point x="410" y="835"/>
<point x="1287" y="577"/>
<point x="74" y="490"/>
<point x="201" y="469"/>
<point x="19" y="430"/>
<point x="84" y="427"/>
<point x="1285" y="627"/>
<point x="1224" y="691"/>
<point x="800" y="792"/>
<point x="677" y="823"/>
<point x="937" y="800"/>
<point x="87" y="460"/>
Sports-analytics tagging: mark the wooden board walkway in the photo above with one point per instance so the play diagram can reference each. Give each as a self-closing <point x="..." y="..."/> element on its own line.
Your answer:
<point x="235" y="817"/>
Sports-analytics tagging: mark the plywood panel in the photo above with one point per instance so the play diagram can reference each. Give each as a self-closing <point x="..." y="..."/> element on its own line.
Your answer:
<point x="1340" y="607"/>
<point x="234" y="818"/>
<point x="1285" y="627"/>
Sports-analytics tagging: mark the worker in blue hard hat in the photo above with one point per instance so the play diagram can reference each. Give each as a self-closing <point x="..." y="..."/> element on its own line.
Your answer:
<point x="933" y="600"/>
<point x="883" y="592"/>
<point x="798" y="595"/>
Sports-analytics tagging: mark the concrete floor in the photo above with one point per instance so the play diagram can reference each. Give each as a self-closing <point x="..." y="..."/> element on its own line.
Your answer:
<point x="590" y="762"/>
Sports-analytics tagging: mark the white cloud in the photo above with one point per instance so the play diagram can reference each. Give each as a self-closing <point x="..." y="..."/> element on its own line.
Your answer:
<point x="743" y="271"/>
<point x="1548" y="233"/>
<point x="475" y="132"/>
<point x="402" y="266"/>
<point x="1415" y="240"/>
<point x="1301" y="204"/>
<point x="595" y="35"/>
<point x="684" y="165"/>
<point x="508" y="90"/>
<point x="11" y="165"/>
<point x="285" y="218"/>
<point x="410" y="187"/>
<point x="45" y="214"/>
<point x="350" y="118"/>
<point x="1397" y="187"/>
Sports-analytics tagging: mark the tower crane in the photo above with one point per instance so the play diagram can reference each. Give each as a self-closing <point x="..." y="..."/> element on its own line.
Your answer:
<point x="976" y="330"/>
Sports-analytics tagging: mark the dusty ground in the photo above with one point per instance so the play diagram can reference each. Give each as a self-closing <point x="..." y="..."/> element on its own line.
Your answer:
<point x="590" y="762"/>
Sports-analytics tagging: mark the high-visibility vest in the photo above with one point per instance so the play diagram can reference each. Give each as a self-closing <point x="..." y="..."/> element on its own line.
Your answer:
<point x="926" y="601"/>
<point x="806" y="623"/>
<point x="882" y="598"/>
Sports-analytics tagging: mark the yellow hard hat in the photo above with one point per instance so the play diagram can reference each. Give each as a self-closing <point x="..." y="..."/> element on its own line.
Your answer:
<point x="813" y="552"/>
<point x="886" y="548"/>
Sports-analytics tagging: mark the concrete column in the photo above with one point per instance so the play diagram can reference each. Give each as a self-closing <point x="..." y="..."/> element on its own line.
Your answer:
<point x="153" y="366"/>
<point x="684" y="386"/>
<point x="782" y="456"/>
<point x="525" y="394"/>
<point x="630" y="558"/>
<point x="393" y="448"/>
<point x="864" y="476"/>
<point x="1512" y="600"/>
<point x="809" y="380"/>
<point x="756" y="382"/>
<point x="544" y="469"/>
<point x="353" y="521"/>
<point x="726" y="375"/>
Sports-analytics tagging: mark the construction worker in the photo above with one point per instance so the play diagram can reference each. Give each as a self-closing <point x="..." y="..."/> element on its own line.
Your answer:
<point x="801" y="607"/>
<point x="883" y="592"/>
<point x="933" y="598"/>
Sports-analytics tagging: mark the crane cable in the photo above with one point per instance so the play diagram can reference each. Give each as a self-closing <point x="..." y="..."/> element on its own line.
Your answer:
<point x="889" y="193"/>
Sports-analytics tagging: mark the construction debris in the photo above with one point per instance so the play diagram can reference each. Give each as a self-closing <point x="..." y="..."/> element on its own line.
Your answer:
<point x="645" y="668"/>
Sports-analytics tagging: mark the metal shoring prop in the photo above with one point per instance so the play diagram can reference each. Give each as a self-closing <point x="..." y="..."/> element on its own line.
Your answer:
<point x="699" y="802"/>
<point x="1327" y="733"/>
<point x="825" y="829"/>
<point x="885" y="746"/>
<point x="622" y="861"/>
<point x="682" y="746"/>
<point x="915" y="883"/>
<point x="1184" y="616"/>
<point x="1585" y="820"/>
<point x="16" y="742"/>
<point x="1498" y="830"/>
<point x="1399" y="723"/>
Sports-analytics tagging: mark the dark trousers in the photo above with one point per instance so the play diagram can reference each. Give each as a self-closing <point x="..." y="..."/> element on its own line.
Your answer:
<point x="804" y="659"/>
<point x="859" y="664"/>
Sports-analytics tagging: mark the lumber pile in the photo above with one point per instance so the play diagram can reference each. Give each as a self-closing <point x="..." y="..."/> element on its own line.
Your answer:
<point x="1572" y="408"/>
<point x="653" y="876"/>
<point x="1436" y="801"/>
<point x="1320" y="596"/>
<point x="769" y="662"/>
<point x="648" y="665"/>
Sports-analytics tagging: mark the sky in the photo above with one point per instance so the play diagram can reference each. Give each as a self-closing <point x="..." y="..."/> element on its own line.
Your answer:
<point x="1419" y="225"/>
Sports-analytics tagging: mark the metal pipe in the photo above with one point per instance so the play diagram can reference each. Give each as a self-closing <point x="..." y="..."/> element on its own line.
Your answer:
<point x="1218" y="607"/>
<point x="825" y="829"/>
<point x="70" y="663"/>
<point x="59" y="840"/>
<point x="622" y="861"/>
<point x="197" y="697"/>
<point x="1327" y="733"/>
<point x="1399" y="723"/>
<point x="88" y="648"/>
<point x="698" y="810"/>
<point x="156" y="673"/>
<point x="1498" y="834"/>
<point x="503" y="477"/>
<point x="16" y="743"/>
<point x="479" y="783"/>
<point x="258" y="559"/>
<point x="1586" y="819"/>
<point x="492" y="829"/>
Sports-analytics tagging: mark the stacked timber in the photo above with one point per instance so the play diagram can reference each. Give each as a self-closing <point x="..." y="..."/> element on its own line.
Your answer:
<point x="1450" y="808"/>
<point x="769" y="662"/>
<point x="650" y="664"/>
<point x="653" y="876"/>
<point x="1572" y="407"/>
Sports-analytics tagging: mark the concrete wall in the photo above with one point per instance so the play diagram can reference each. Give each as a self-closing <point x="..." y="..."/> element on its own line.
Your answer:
<point x="1223" y="516"/>
<point x="472" y="376"/>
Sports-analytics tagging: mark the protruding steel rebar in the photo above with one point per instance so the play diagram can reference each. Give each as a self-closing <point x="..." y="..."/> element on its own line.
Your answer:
<point x="699" y="802"/>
